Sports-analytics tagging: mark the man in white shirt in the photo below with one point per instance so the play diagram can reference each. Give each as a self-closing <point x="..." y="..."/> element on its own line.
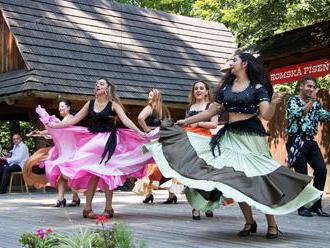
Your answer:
<point x="14" y="163"/>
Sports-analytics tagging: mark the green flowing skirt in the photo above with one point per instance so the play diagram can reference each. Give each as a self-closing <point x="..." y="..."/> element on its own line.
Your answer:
<point x="244" y="170"/>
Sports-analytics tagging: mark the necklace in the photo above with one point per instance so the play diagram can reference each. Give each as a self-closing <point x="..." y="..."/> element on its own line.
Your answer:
<point x="243" y="86"/>
<point x="100" y="106"/>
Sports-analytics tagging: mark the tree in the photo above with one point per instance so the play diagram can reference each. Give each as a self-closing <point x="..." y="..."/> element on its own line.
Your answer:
<point x="253" y="20"/>
<point x="5" y="135"/>
<point x="180" y="7"/>
<point x="323" y="83"/>
<point x="249" y="20"/>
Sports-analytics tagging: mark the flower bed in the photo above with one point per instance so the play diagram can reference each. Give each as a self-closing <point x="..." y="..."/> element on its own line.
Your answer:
<point x="119" y="236"/>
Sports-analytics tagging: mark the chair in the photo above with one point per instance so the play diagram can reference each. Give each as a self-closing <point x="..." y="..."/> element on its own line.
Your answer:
<point x="21" y="179"/>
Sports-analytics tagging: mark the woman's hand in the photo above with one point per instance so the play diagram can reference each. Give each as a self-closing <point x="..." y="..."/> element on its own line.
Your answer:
<point x="194" y="125"/>
<point x="142" y="134"/>
<point x="181" y="122"/>
<point x="276" y="98"/>
<point x="33" y="133"/>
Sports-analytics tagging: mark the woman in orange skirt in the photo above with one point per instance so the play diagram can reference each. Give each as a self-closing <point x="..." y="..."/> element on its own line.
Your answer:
<point x="200" y="98"/>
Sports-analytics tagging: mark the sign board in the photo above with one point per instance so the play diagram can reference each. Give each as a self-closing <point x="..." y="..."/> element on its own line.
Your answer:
<point x="316" y="68"/>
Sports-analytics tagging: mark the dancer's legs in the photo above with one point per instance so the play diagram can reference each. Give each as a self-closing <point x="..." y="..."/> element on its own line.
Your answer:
<point x="272" y="226"/>
<point x="61" y="184"/>
<point x="247" y="212"/>
<point x="75" y="195"/>
<point x="108" y="197"/>
<point x="92" y="185"/>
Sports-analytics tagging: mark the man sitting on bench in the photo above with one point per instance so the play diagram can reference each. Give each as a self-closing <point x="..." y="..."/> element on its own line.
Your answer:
<point x="14" y="163"/>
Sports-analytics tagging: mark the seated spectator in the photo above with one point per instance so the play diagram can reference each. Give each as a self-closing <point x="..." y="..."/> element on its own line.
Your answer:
<point x="13" y="163"/>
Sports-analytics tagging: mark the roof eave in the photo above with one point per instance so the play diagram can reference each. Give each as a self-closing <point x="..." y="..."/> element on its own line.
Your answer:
<point x="10" y="98"/>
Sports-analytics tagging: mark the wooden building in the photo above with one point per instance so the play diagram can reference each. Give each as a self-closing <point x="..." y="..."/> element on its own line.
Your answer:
<point x="52" y="49"/>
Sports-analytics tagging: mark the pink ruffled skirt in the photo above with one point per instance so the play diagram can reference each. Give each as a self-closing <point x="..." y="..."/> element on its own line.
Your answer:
<point x="77" y="155"/>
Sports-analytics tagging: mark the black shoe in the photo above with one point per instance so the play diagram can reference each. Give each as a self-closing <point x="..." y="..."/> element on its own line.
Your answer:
<point x="272" y="235"/>
<point x="247" y="232"/>
<point x="74" y="203"/>
<point x="209" y="213"/>
<point x="320" y="212"/>
<point x="305" y="212"/>
<point x="149" y="198"/>
<point x="171" y="200"/>
<point x="196" y="215"/>
<point x="60" y="203"/>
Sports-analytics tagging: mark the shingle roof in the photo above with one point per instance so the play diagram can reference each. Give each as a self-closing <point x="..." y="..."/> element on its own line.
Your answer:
<point x="68" y="44"/>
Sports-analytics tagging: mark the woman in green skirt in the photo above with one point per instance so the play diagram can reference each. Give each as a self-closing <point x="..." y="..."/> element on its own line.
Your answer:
<point x="236" y="161"/>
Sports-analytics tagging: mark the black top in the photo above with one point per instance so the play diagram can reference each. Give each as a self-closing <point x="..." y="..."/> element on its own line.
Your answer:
<point x="104" y="122"/>
<point x="101" y="121"/>
<point x="153" y="120"/>
<point x="195" y="112"/>
<point x="245" y="101"/>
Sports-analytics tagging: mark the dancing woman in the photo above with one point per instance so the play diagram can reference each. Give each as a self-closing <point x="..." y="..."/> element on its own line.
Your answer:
<point x="200" y="99"/>
<point x="149" y="119"/>
<point x="237" y="162"/>
<point x="35" y="176"/>
<point x="102" y="155"/>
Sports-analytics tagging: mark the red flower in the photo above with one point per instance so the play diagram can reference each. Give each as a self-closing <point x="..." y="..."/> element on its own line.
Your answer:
<point x="230" y="200"/>
<point x="101" y="219"/>
<point x="49" y="230"/>
<point x="225" y="203"/>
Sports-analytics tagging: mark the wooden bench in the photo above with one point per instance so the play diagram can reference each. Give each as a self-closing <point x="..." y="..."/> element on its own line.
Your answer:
<point x="21" y="180"/>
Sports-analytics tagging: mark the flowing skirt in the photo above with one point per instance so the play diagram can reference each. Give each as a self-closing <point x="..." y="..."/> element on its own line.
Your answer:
<point x="200" y="199"/>
<point x="244" y="170"/>
<point x="36" y="160"/>
<point x="77" y="156"/>
<point x="155" y="180"/>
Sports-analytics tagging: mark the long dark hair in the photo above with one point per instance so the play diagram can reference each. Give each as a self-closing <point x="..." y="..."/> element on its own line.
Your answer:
<point x="255" y="71"/>
<point x="68" y="103"/>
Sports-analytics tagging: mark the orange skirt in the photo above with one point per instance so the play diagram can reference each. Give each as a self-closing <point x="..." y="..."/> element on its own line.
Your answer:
<point x="199" y="130"/>
<point x="31" y="178"/>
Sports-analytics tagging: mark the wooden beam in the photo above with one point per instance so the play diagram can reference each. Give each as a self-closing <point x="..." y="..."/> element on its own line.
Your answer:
<point x="30" y="98"/>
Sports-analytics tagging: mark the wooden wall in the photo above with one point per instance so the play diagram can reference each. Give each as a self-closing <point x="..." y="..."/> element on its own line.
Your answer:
<point x="10" y="57"/>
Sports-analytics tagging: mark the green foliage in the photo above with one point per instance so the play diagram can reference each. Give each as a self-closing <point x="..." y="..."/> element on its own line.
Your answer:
<point x="27" y="127"/>
<point x="122" y="236"/>
<point x="118" y="237"/>
<point x="31" y="240"/>
<point x="5" y="139"/>
<point x="181" y="7"/>
<point x="249" y="20"/>
<point x="323" y="83"/>
<point x="80" y="239"/>
<point x="253" y="20"/>
<point x="5" y="135"/>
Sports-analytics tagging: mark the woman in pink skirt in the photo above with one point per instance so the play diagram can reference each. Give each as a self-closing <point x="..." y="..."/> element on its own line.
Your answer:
<point x="102" y="155"/>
